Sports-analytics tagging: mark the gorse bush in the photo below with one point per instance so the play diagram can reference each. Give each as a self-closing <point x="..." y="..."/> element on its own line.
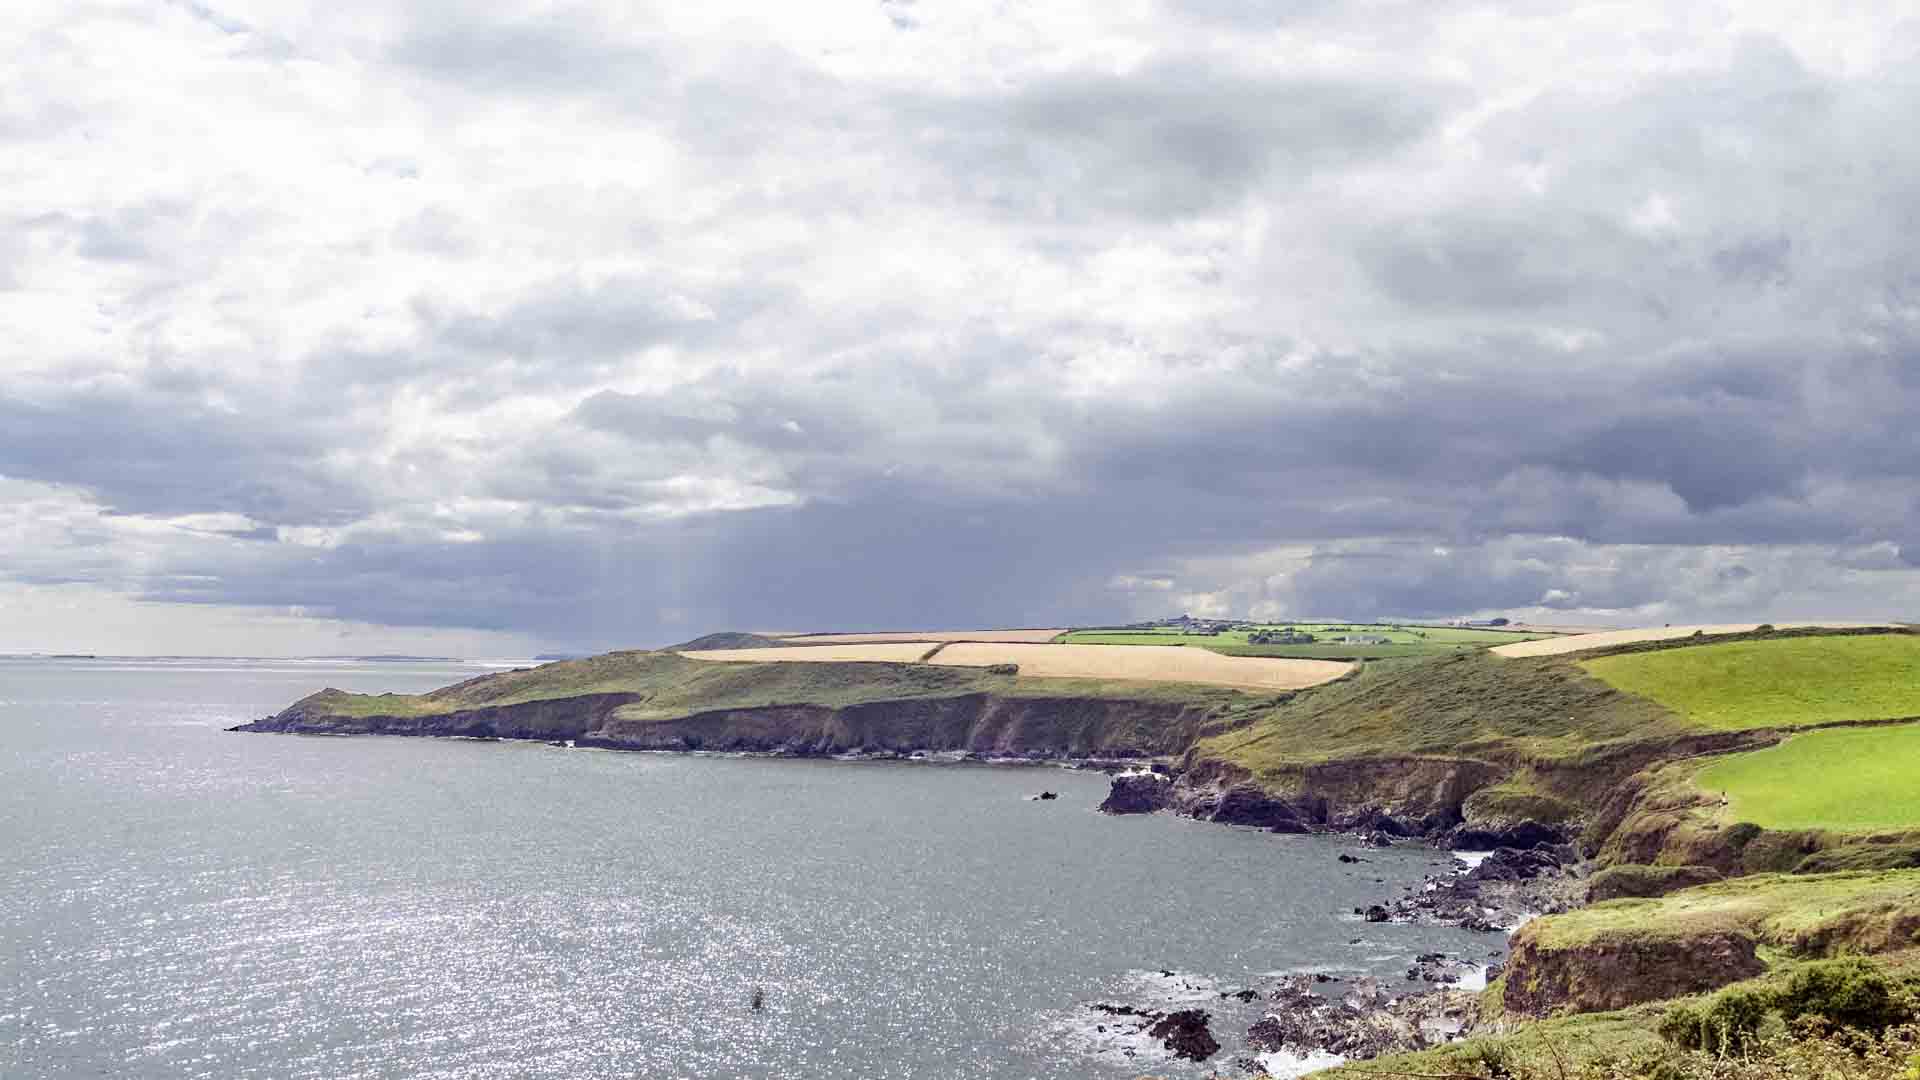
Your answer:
<point x="1850" y="992"/>
<point x="1727" y="1024"/>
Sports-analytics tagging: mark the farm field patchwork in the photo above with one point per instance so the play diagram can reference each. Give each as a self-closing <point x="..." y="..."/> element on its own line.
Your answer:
<point x="1571" y="643"/>
<point x="1844" y="779"/>
<point x="1776" y="682"/>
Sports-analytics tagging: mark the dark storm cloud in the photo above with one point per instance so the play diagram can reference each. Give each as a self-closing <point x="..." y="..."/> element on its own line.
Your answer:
<point x="142" y="450"/>
<point x="1175" y="139"/>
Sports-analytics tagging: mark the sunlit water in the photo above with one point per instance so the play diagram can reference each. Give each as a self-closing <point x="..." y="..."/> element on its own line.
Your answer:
<point x="185" y="902"/>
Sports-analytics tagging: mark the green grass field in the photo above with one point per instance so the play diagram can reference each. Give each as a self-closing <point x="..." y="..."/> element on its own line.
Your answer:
<point x="1774" y="683"/>
<point x="1844" y="779"/>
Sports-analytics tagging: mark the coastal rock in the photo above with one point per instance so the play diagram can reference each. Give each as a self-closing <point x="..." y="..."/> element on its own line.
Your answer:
<point x="1506" y="888"/>
<point x="1247" y="804"/>
<point x="1185" y="1033"/>
<point x="1512" y="864"/>
<point x="1365" y="1022"/>
<point x="1520" y="835"/>
<point x="1137" y="793"/>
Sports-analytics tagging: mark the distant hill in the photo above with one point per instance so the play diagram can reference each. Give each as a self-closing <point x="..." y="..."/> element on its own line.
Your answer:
<point x="728" y="639"/>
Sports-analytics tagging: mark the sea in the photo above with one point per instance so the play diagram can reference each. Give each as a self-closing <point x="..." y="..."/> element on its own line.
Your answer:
<point x="180" y="901"/>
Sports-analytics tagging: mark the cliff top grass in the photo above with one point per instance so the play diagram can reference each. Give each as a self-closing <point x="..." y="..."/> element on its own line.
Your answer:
<point x="672" y="686"/>
<point x="1805" y="914"/>
<point x="1463" y="704"/>
<point x="1782" y="681"/>
<point x="1841" y="779"/>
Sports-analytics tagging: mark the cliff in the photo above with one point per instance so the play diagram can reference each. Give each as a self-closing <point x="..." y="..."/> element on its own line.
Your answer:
<point x="660" y="701"/>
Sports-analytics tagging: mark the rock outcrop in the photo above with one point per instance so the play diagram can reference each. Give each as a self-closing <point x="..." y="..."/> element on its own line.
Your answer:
<point x="1138" y="793"/>
<point x="1185" y="1033"/>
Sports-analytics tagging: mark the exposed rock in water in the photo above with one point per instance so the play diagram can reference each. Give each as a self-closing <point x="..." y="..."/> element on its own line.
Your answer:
<point x="1046" y="796"/>
<point x="1511" y="864"/>
<point x="1507" y="887"/>
<point x="1185" y="1033"/>
<point x="1365" y="1022"/>
<point x="1138" y="793"/>
<point x="1522" y="834"/>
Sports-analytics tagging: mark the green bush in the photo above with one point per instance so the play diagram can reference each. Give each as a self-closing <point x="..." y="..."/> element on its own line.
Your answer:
<point x="1681" y="1027"/>
<point x="1003" y="669"/>
<point x="1730" y="1024"/>
<point x="1850" y="992"/>
<point x="1727" y="1024"/>
<point x="1741" y="834"/>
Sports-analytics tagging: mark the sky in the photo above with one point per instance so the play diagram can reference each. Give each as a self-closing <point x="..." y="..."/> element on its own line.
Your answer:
<point x="493" y="329"/>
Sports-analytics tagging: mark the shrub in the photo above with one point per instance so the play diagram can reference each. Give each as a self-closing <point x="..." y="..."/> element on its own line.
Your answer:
<point x="1633" y="879"/>
<point x="1730" y="1024"/>
<point x="1740" y="835"/>
<point x="1003" y="669"/>
<point x="1681" y="1027"/>
<point x="1727" y="1024"/>
<point x="1850" y="992"/>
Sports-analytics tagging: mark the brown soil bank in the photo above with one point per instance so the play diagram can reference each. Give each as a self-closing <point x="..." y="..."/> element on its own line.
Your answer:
<point x="1623" y="952"/>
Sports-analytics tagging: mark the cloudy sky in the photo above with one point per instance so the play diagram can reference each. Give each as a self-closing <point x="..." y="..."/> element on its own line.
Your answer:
<point x="489" y="329"/>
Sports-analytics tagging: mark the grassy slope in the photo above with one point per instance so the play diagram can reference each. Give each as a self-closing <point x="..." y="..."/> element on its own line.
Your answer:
<point x="1776" y="683"/>
<point x="1849" y="779"/>
<point x="1795" y="913"/>
<point x="1465" y="704"/>
<point x="674" y="686"/>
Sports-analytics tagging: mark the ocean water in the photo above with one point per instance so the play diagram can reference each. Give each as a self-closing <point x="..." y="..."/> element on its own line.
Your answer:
<point x="184" y="902"/>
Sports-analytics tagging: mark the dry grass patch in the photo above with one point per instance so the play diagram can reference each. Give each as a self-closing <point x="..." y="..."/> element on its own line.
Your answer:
<point x="929" y="636"/>
<point x="896" y="653"/>
<point x="1150" y="663"/>
<point x="1582" y="642"/>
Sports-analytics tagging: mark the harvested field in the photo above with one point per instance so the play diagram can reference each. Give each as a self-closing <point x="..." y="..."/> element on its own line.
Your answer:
<point x="928" y="636"/>
<point x="1581" y="642"/>
<point x="896" y="653"/>
<point x="1151" y="663"/>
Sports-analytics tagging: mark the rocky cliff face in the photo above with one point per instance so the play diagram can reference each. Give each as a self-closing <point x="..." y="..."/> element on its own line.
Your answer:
<point x="988" y="724"/>
<point x="1401" y="796"/>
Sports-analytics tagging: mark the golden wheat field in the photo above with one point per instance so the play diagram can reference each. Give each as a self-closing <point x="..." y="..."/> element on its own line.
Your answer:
<point x="898" y="653"/>
<point x="928" y="636"/>
<point x="1151" y="663"/>
<point x="1581" y="642"/>
<point x="1145" y="663"/>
